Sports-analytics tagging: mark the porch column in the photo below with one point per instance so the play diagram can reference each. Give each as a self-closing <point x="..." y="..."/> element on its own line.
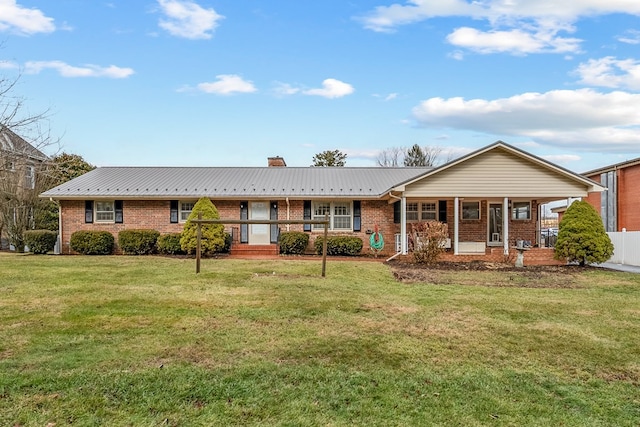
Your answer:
<point x="505" y="225"/>
<point x="456" y="220"/>
<point x="403" y="225"/>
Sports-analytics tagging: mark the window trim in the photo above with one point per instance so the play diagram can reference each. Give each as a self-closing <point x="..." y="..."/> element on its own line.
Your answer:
<point x="514" y="217"/>
<point x="96" y="211"/>
<point x="420" y="212"/>
<point x="332" y="215"/>
<point x="181" y="211"/>
<point x="479" y="210"/>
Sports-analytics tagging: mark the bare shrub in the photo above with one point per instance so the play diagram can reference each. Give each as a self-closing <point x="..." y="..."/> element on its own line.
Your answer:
<point x="427" y="241"/>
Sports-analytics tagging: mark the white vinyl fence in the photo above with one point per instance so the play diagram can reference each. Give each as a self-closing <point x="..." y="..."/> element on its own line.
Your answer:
<point x="626" y="246"/>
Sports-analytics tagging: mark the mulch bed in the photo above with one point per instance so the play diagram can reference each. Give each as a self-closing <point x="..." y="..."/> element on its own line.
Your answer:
<point x="445" y="273"/>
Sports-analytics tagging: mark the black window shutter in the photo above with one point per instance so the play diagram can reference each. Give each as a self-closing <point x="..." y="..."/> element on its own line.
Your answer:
<point x="244" y="228"/>
<point x="442" y="211"/>
<point x="274" y="227"/>
<point x="357" y="216"/>
<point x="397" y="215"/>
<point x="307" y="214"/>
<point x="119" y="219"/>
<point x="88" y="211"/>
<point x="173" y="211"/>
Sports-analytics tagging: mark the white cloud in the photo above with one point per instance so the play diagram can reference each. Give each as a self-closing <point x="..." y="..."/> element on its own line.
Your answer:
<point x="514" y="41"/>
<point x="610" y="72"/>
<point x="184" y="18"/>
<point x="228" y="84"/>
<point x="23" y="21"/>
<point x="630" y="37"/>
<point x="562" y="159"/>
<point x="8" y="65"/>
<point x="519" y="27"/>
<point x="87" y="70"/>
<point x="285" y="89"/>
<point x="331" y="88"/>
<point x="582" y="119"/>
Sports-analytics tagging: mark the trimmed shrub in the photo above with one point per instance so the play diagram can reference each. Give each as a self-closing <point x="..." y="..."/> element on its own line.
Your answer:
<point x="169" y="244"/>
<point x="87" y="242"/>
<point x="213" y="236"/>
<point x="228" y="239"/>
<point x="40" y="241"/>
<point x="138" y="242"/>
<point x="339" y="245"/>
<point x="582" y="237"/>
<point x="294" y="242"/>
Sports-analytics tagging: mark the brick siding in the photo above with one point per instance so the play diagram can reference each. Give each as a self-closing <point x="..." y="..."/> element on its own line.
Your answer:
<point x="628" y="197"/>
<point x="155" y="214"/>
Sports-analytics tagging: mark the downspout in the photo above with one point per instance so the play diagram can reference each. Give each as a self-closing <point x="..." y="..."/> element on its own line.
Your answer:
<point x="505" y="226"/>
<point x="456" y="232"/>
<point x="59" y="225"/>
<point x="288" y="213"/>
<point x="398" y="253"/>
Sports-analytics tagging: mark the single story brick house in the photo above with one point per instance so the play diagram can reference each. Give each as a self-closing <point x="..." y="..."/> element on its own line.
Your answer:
<point x="489" y="199"/>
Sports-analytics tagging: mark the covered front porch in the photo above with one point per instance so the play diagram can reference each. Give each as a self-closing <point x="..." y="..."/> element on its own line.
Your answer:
<point x="490" y="200"/>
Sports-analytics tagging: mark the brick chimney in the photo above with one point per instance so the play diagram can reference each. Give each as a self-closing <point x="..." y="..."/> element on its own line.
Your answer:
<point x="276" y="162"/>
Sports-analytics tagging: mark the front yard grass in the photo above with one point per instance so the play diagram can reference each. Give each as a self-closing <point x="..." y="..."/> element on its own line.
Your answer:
<point x="128" y="341"/>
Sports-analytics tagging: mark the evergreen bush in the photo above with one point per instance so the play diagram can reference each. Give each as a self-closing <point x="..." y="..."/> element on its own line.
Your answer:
<point x="582" y="237"/>
<point x="169" y="244"/>
<point x="87" y="242"/>
<point x="228" y="239"/>
<point x="340" y="245"/>
<point x="40" y="241"/>
<point x="138" y="242"/>
<point x="213" y="235"/>
<point x="293" y="242"/>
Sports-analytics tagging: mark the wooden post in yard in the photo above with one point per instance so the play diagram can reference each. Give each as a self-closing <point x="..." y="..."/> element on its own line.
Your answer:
<point x="199" y="240"/>
<point x="324" y="244"/>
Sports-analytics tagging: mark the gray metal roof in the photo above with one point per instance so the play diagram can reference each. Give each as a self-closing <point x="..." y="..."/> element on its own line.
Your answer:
<point x="232" y="182"/>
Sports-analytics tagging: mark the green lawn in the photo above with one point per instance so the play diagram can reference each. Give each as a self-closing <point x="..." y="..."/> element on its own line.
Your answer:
<point x="143" y="341"/>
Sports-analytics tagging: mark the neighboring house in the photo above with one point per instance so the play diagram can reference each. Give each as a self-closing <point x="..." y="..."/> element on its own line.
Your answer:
<point x="19" y="164"/>
<point x="619" y="204"/>
<point x="490" y="199"/>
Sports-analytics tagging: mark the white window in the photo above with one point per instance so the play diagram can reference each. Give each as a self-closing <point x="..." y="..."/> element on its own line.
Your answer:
<point x="185" y="210"/>
<point x="521" y="210"/>
<point x="105" y="211"/>
<point x="412" y="211"/>
<point x="30" y="177"/>
<point x="428" y="211"/>
<point x="340" y="215"/>
<point x="470" y="210"/>
<point x="422" y="211"/>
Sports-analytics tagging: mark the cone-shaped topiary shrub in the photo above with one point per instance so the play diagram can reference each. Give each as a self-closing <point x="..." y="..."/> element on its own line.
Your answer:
<point x="581" y="236"/>
<point x="213" y="238"/>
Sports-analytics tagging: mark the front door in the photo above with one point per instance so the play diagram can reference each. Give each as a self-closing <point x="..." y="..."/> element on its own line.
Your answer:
<point x="259" y="233"/>
<point x="495" y="224"/>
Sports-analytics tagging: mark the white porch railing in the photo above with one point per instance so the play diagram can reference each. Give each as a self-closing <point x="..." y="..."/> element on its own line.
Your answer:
<point x="626" y="246"/>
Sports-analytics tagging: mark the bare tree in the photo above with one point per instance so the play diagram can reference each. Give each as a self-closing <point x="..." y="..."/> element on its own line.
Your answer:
<point x="412" y="156"/>
<point x="24" y="168"/>
<point x="391" y="157"/>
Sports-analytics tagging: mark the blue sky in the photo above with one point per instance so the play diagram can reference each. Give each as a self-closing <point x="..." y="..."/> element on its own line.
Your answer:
<point x="232" y="82"/>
